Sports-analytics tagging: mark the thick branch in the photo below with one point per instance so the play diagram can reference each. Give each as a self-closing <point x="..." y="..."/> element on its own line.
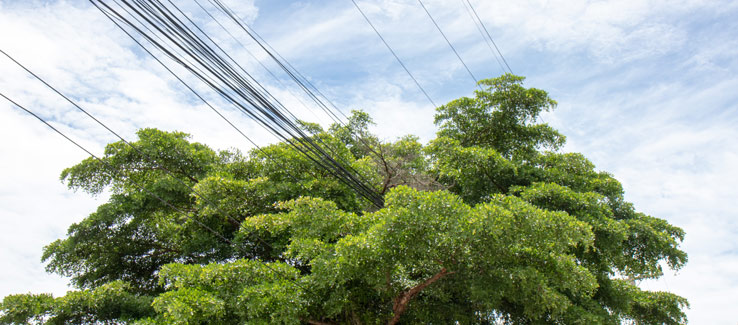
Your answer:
<point x="401" y="302"/>
<point x="387" y="172"/>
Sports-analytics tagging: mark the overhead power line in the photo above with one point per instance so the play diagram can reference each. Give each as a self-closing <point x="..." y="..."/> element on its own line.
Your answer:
<point x="449" y="42"/>
<point x="245" y="48"/>
<point x="290" y="70"/>
<point x="251" y="33"/>
<point x="207" y="103"/>
<point x="209" y="63"/>
<point x="394" y="54"/>
<point x="484" y="37"/>
<point x="144" y="155"/>
<point x="490" y="36"/>
<point x="117" y="172"/>
<point x="147" y="157"/>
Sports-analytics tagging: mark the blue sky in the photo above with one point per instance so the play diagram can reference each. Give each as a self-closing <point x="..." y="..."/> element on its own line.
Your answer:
<point x="646" y="89"/>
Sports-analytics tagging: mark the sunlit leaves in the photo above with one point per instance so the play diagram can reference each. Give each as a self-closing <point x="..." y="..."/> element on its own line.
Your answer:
<point x="500" y="117"/>
<point x="480" y="226"/>
<point x="111" y="302"/>
<point x="249" y="291"/>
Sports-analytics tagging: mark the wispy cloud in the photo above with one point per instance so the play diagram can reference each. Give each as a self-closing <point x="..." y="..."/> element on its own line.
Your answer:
<point x="646" y="89"/>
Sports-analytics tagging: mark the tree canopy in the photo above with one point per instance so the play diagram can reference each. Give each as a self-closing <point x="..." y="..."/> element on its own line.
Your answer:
<point x="487" y="223"/>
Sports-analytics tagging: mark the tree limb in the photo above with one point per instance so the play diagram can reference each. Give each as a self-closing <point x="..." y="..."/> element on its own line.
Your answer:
<point x="400" y="305"/>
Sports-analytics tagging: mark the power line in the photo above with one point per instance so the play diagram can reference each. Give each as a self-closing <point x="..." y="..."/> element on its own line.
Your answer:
<point x="298" y="77"/>
<point x="144" y="155"/>
<point x="238" y="88"/>
<point x="296" y="129"/>
<point x="278" y="59"/>
<point x="320" y="105"/>
<point x="394" y="54"/>
<point x="490" y="36"/>
<point x="207" y="103"/>
<point x="260" y="40"/>
<point x="245" y="48"/>
<point x="316" y="98"/>
<point x="484" y="37"/>
<point x="497" y="49"/>
<point x="142" y="188"/>
<point x="449" y="42"/>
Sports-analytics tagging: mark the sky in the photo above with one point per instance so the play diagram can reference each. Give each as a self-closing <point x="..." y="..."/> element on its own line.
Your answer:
<point x="646" y="89"/>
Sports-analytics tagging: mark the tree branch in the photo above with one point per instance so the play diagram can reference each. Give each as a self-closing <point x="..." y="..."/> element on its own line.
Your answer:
<point x="400" y="305"/>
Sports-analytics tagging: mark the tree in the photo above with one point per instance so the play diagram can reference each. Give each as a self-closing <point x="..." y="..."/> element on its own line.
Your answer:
<point x="487" y="223"/>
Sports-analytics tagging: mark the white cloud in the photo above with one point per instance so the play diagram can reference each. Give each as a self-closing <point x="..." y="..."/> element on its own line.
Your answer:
<point x="81" y="53"/>
<point x="646" y="90"/>
<point x="35" y="207"/>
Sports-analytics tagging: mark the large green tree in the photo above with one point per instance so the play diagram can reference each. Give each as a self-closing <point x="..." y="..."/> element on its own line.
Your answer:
<point x="487" y="223"/>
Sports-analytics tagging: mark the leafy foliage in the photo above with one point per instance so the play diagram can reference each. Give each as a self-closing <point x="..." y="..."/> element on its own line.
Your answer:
<point x="110" y="302"/>
<point x="481" y="225"/>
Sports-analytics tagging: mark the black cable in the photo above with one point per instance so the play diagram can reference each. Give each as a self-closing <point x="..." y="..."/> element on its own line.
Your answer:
<point x="144" y="155"/>
<point x="484" y="37"/>
<point x="244" y="71"/>
<point x="281" y="63"/>
<point x="263" y="89"/>
<point x="299" y="131"/>
<point x="142" y="188"/>
<point x="245" y="48"/>
<point x="156" y="14"/>
<point x="206" y="102"/>
<point x="280" y="60"/>
<point x="394" y="54"/>
<point x="287" y="139"/>
<point x="173" y="57"/>
<point x="449" y="42"/>
<point x="490" y="37"/>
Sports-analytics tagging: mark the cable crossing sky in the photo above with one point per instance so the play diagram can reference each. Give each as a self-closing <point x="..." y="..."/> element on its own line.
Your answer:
<point x="166" y="33"/>
<point x="486" y="33"/>
<point x="166" y="28"/>
<point x="449" y="42"/>
<point x="119" y="172"/>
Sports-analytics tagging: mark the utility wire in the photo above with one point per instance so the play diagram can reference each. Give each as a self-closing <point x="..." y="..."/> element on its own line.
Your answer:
<point x="261" y="87"/>
<point x="394" y="54"/>
<point x="117" y="171"/>
<point x="207" y="103"/>
<point x="187" y="63"/>
<point x="495" y="45"/>
<point x="490" y="36"/>
<point x="336" y="154"/>
<point x="277" y="102"/>
<point x="497" y="49"/>
<point x="232" y="86"/>
<point x="303" y="81"/>
<point x="449" y="42"/>
<point x="144" y="155"/>
<point x="241" y="24"/>
<point x="286" y="67"/>
<point x="484" y="37"/>
<point x="245" y="48"/>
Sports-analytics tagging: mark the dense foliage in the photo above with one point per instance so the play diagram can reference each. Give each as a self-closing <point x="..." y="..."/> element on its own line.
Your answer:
<point x="487" y="223"/>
